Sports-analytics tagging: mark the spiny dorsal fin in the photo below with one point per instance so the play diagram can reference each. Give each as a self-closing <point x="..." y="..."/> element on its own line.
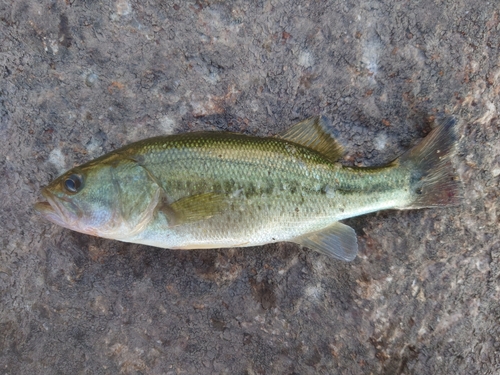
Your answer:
<point x="312" y="133"/>
<point x="338" y="241"/>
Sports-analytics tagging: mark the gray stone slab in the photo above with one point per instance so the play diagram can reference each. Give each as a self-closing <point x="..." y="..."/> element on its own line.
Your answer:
<point x="81" y="78"/>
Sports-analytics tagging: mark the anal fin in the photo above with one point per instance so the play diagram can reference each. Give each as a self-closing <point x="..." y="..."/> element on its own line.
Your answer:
<point x="337" y="241"/>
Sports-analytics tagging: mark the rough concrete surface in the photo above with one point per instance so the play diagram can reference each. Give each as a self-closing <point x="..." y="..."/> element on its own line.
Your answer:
<point x="81" y="78"/>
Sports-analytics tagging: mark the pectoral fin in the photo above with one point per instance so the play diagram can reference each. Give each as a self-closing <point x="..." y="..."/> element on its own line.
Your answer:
<point x="338" y="241"/>
<point x="194" y="208"/>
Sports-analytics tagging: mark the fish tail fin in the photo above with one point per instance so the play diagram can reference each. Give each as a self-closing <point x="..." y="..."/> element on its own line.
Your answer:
<point x="433" y="180"/>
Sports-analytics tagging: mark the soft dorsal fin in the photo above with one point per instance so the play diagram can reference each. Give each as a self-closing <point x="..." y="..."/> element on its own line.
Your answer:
<point x="337" y="241"/>
<point x="312" y="133"/>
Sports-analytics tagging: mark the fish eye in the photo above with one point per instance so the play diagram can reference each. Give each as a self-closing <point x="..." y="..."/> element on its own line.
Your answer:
<point x="73" y="183"/>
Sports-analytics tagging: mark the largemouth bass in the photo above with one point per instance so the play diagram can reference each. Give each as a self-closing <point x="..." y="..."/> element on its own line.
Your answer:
<point x="214" y="189"/>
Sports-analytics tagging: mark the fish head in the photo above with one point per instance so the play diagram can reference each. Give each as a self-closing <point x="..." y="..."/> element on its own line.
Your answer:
<point x="112" y="197"/>
<point x="82" y="199"/>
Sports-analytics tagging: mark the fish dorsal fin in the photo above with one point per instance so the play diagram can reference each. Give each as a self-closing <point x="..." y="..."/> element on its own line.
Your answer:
<point x="337" y="241"/>
<point x="312" y="133"/>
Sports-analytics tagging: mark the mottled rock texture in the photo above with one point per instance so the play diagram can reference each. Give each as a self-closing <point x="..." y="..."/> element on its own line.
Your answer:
<point x="80" y="78"/>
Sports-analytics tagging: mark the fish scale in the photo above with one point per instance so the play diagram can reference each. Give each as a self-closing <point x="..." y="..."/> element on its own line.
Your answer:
<point x="234" y="165"/>
<point x="216" y="189"/>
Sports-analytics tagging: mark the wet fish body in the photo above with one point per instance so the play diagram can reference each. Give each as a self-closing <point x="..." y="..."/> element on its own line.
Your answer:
<point x="215" y="189"/>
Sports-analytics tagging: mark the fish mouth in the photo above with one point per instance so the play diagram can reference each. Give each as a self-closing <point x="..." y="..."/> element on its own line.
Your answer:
<point x="51" y="209"/>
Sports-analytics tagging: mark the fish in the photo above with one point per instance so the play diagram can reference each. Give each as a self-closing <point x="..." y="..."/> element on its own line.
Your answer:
<point x="204" y="190"/>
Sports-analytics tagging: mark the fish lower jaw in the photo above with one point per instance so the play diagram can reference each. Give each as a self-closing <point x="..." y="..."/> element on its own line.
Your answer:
<point x="47" y="211"/>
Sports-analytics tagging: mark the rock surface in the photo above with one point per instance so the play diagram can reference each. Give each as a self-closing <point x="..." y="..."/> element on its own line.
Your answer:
<point x="81" y="78"/>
